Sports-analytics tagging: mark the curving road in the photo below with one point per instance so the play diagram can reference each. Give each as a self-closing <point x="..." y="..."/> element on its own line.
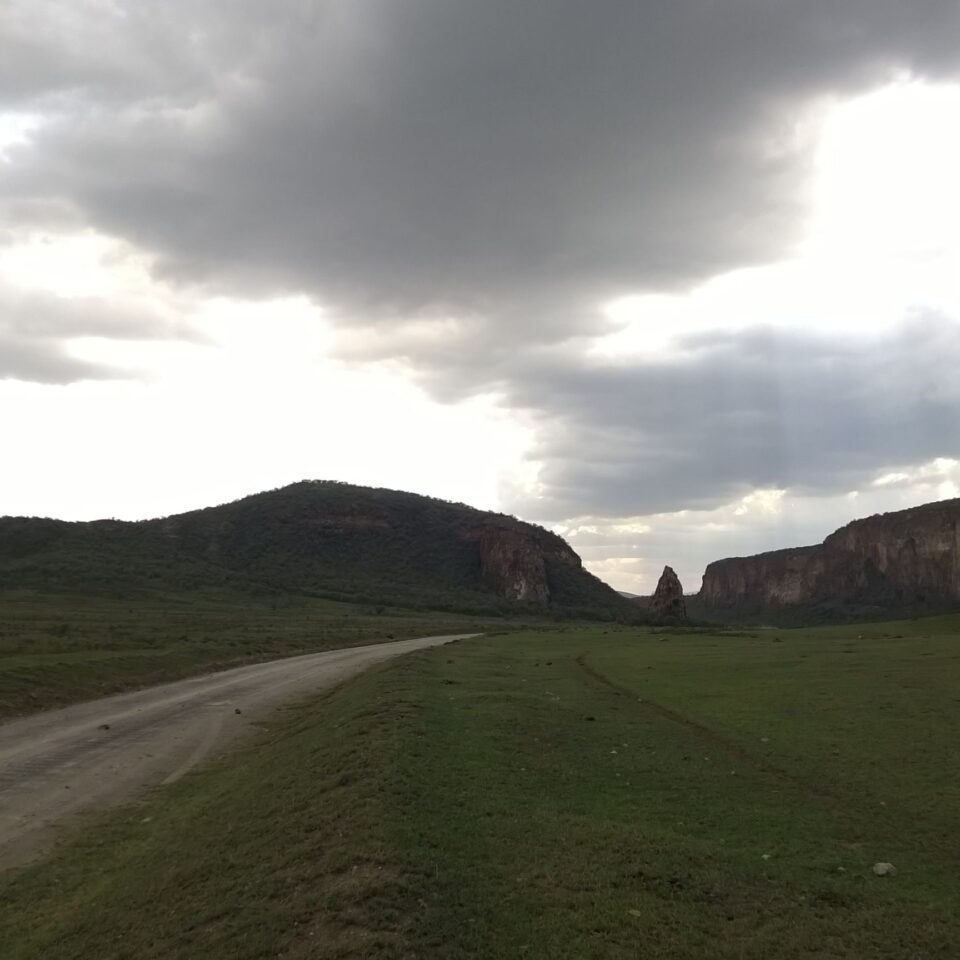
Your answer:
<point x="61" y="762"/>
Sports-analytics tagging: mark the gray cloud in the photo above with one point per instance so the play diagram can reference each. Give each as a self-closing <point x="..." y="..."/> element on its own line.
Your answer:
<point x="513" y="163"/>
<point x="35" y="329"/>
<point x="733" y="412"/>
<point x="44" y="361"/>
<point x="73" y="56"/>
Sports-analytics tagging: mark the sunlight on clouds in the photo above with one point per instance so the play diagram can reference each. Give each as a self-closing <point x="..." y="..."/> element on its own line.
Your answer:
<point x="236" y="343"/>
<point x="884" y="237"/>
<point x="889" y="479"/>
<point x="631" y="527"/>
<point x="763" y="501"/>
<point x="887" y="183"/>
<point x="939" y="479"/>
<point x="631" y="575"/>
<point x="389" y="344"/>
<point x="84" y="264"/>
<point x="16" y="130"/>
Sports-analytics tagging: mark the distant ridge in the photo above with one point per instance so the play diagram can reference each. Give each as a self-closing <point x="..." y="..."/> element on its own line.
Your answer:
<point x="901" y="563"/>
<point x="321" y="538"/>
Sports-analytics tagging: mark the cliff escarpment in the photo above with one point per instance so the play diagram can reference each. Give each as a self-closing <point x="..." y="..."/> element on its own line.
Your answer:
<point x="902" y="562"/>
<point x="514" y="566"/>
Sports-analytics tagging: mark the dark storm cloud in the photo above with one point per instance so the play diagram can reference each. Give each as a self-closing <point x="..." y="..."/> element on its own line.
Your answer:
<point x="510" y="162"/>
<point x="71" y="54"/>
<point x="733" y="412"/>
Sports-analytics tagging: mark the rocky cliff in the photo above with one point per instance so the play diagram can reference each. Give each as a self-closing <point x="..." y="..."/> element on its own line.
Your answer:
<point x="903" y="561"/>
<point x="514" y="566"/>
<point x="667" y="601"/>
<point x="778" y="577"/>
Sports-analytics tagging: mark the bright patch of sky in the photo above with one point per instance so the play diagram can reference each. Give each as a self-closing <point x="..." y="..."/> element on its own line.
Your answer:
<point x="15" y="130"/>
<point x="883" y="239"/>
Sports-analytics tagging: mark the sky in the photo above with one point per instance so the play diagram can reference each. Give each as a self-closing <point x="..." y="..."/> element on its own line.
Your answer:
<point x="679" y="281"/>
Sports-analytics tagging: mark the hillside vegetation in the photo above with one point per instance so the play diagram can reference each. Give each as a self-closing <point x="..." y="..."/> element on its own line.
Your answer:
<point x="316" y="538"/>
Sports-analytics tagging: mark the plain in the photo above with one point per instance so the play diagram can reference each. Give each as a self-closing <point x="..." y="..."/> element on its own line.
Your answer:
<point x="587" y="791"/>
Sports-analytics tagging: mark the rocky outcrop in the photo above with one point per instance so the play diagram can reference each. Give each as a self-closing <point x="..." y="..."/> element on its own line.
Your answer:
<point x="514" y="566"/>
<point x="667" y="600"/>
<point x="908" y="560"/>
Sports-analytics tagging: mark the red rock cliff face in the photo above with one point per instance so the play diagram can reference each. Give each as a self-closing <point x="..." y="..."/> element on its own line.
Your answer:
<point x="514" y="565"/>
<point x="910" y="558"/>
<point x="767" y="578"/>
<point x="913" y="554"/>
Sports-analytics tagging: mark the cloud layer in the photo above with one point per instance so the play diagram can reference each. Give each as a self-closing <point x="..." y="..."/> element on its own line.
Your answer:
<point x="516" y="163"/>
<point x="734" y="412"/>
<point x="461" y="186"/>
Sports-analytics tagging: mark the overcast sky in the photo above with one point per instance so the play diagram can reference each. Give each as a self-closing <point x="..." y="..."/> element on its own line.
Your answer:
<point x="679" y="280"/>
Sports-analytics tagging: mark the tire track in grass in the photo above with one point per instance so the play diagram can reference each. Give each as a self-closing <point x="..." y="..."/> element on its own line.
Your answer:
<point x="730" y="748"/>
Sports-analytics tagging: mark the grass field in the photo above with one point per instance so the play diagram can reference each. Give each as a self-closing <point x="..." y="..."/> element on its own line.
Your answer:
<point x="590" y="792"/>
<point x="57" y="649"/>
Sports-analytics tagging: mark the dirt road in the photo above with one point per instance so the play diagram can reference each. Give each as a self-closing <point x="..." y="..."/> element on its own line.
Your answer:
<point x="58" y="763"/>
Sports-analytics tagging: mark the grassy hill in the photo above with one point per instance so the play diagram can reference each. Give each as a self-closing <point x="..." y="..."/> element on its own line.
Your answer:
<point x="315" y="538"/>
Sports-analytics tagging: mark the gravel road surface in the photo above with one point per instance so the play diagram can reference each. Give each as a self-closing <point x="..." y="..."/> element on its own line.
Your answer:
<point x="58" y="763"/>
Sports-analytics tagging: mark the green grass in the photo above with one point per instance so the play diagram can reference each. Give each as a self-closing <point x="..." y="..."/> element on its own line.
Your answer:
<point x="60" y="649"/>
<point x="590" y="792"/>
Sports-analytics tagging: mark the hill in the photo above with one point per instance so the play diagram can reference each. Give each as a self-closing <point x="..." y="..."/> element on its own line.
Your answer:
<point x="317" y="538"/>
<point x="905" y="563"/>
